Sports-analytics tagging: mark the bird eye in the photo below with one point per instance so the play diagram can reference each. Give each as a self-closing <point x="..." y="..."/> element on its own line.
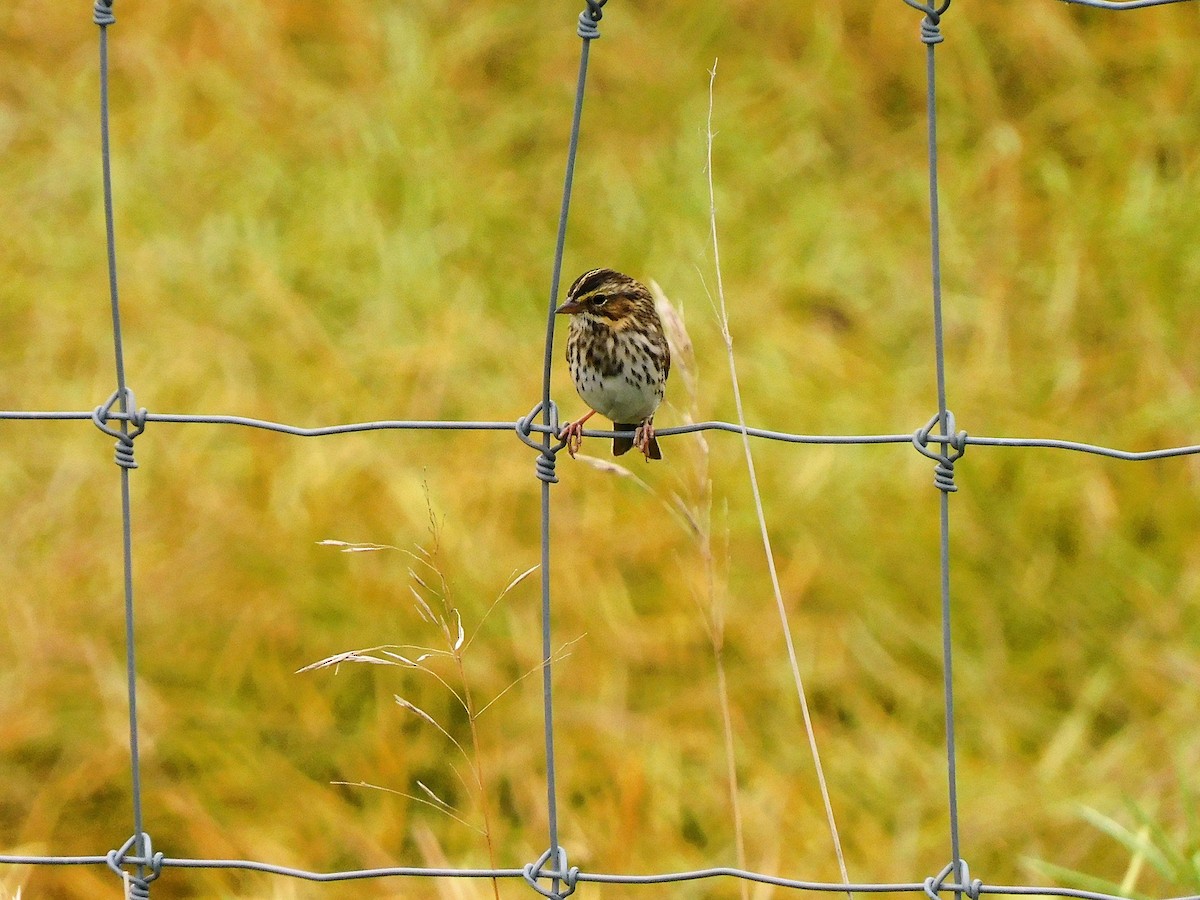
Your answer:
<point x="599" y="301"/>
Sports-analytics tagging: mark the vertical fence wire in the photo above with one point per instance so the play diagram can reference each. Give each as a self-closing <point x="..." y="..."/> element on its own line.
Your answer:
<point x="103" y="17"/>
<point x="931" y="36"/>
<point x="587" y="31"/>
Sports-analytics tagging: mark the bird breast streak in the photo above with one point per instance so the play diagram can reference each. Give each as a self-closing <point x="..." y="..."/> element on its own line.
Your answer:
<point x="617" y="378"/>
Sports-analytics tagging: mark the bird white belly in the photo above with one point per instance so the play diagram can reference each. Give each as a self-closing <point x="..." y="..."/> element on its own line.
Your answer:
<point x="615" y="397"/>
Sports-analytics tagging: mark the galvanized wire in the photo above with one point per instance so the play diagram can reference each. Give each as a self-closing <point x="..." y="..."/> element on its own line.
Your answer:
<point x="929" y="887"/>
<point x="524" y="424"/>
<point x="1121" y="4"/>
<point x="588" y="31"/>
<point x="102" y="15"/>
<point x="944" y="445"/>
<point x="931" y="36"/>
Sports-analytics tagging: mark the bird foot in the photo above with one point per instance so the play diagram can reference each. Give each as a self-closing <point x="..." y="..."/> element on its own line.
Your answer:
<point x="572" y="433"/>
<point x="643" y="440"/>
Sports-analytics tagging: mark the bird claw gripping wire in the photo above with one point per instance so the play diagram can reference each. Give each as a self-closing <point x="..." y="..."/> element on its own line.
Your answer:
<point x="139" y="884"/>
<point x="954" y="444"/>
<point x="546" y="455"/>
<point x="589" y="20"/>
<point x="124" y="456"/>
<point x="102" y="13"/>
<point x="965" y="885"/>
<point x="569" y="877"/>
<point x="931" y="33"/>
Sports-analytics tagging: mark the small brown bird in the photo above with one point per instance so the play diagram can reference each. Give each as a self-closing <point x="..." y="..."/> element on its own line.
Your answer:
<point x="618" y="357"/>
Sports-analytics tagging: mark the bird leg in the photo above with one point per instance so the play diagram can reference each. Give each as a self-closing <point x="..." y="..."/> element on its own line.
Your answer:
<point x="572" y="433"/>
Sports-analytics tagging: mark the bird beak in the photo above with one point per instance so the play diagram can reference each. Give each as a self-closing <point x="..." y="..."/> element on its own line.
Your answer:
<point x="569" y="308"/>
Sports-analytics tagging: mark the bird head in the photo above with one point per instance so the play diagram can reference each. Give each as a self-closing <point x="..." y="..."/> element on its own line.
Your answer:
<point x="608" y="298"/>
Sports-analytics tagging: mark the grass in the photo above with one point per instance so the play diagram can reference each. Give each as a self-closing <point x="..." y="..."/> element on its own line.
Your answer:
<point x="340" y="213"/>
<point x="436" y="607"/>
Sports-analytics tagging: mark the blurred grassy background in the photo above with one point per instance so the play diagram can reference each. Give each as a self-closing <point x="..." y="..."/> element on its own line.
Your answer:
<point x="341" y="212"/>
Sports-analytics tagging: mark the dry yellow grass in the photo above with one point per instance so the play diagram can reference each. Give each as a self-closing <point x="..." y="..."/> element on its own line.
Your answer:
<point x="341" y="212"/>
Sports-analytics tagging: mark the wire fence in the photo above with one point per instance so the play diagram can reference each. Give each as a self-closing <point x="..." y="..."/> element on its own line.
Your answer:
<point x="551" y="875"/>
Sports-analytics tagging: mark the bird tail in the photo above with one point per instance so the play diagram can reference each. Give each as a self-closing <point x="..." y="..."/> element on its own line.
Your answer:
<point x="623" y="445"/>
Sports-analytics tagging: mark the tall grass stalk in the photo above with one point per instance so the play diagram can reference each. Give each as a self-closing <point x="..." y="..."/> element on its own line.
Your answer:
<point x="696" y="504"/>
<point x="723" y="320"/>
<point x="691" y="507"/>
<point x="431" y="591"/>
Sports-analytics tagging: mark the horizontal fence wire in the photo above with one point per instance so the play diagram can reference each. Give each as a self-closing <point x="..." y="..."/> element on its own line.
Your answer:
<point x="929" y="887"/>
<point x="538" y="428"/>
<point x="550" y="875"/>
<point x="1122" y="4"/>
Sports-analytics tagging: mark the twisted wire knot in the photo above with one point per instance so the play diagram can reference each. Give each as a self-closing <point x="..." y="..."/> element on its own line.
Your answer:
<point x="953" y="445"/>
<point x="547" y="455"/>
<point x="102" y="13"/>
<point x="970" y="887"/>
<point x="931" y="32"/>
<point x="568" y="877"/>
<point x="589" y="20"/>
<point x="124" y="445"/>
<point x="139" y="884"/>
